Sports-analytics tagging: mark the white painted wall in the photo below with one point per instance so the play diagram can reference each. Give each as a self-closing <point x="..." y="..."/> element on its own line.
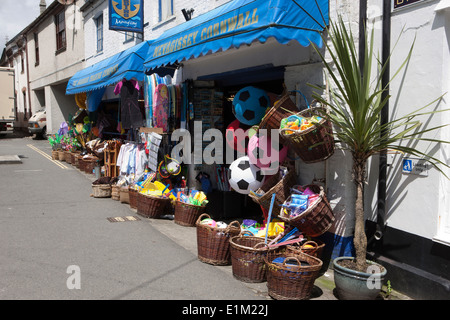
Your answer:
<point x="56" y="69"/>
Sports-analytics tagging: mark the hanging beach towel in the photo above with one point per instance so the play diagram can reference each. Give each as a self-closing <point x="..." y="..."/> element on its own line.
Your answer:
<point x="161" y="107"/>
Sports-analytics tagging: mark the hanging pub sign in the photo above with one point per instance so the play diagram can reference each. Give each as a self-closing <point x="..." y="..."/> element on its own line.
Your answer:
<point x="126" y="15"/>
<point x="402" y="3"/>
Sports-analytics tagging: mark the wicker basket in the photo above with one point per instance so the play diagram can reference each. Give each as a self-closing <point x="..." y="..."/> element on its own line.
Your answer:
<point x="313" y="144"/>
<point x="213" y="244"/>
<point x="115" y="192"/>
<point x="73" y="158"/>
<point x="89" y="165"/>
<point x="61" y="155"/>
<point x="151" y="206"/>
<point x="186" y="214"/>
<point x="101" y="190"/>
<point x="77" y="160"/>
<point x="67" y="157"/>
<point x="287" y="282"/>
<point x="282" y="108"/>
<point x="81" y="163"/>
<point x="55" y="155"/>
<point x="124" y="195"/>
<point x="316" y="219"/>
<point x="133" y="193"/>
<point x="312" y="247"/>
<point x="281" y="187"/>
<point x="247" y="258"/>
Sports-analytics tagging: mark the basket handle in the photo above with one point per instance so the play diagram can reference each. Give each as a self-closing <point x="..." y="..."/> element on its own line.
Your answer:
<point x="231" y="223"/>
<point x="263" y="243"/>
<point x="291" y="258"/>
<point x="304" y="98"/>
<point x="202" y="215"/>
<point x="313" y="243"/>
<point x="245" y="232"/>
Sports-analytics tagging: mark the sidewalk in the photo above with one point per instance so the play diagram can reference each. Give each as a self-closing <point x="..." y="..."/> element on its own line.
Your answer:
<point x="186" y="237"/>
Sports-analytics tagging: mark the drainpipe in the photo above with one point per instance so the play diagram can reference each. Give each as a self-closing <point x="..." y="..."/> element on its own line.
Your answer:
<point x="386" y="48"/>
<point x="28" y="74"/>
<point x="362" y="30"/>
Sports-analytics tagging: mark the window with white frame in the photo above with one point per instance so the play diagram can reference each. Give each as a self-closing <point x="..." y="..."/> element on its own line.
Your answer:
<point x="99" y="27"/>
<point x="165" y="9"/>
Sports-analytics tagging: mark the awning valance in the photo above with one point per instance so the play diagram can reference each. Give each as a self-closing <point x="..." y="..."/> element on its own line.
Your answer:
<point x="240" y="22"/>
<point x="126" y="64"/>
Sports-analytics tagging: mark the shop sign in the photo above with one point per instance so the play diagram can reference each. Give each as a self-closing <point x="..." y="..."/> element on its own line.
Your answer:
<point x="126" y="15"/>
<point x="415" y="166"/>
<point x="403" y="3"/>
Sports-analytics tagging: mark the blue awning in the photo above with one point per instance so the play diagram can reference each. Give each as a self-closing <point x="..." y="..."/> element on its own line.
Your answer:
<point x="240" y="22"/>
<point x="126" y="64"/>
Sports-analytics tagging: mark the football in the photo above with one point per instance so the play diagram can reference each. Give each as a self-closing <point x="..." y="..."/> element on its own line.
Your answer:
<point x="263" y="155"/>
<point x="244" y="176"/>
<point x="250" y="105"/>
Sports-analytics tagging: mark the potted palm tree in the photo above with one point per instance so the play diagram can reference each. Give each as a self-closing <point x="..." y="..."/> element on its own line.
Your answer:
<point x="354" y="104"/>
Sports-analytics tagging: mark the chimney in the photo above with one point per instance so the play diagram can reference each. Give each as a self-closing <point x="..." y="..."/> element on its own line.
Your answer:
<point x="42" y="6"/>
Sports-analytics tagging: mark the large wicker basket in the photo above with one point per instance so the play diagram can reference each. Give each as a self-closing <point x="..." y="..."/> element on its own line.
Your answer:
<point x="281" y="187"/>
<point x="81" y="163"/>
<point x="313" y="144"/>
<point x="151" y="206"/>
<point x="115" y="192"/>
<point x="124" y="195"/>
<point x="89" y="165"/>
<point x="67" y="157"/>
<point x="77" y="160"/>
<point x="186" y="214"/>
<point x="55" y="155"/>
<point x="247" y="258"/>
<point x="316" y="219"/>
<point x="61" y="155"/>
<point x="101" y="190"/>
<point x="291" y="282"/>
<point x="133" y="194"/>
<point x="282" y="108"/>
<point x="213" y="244"/>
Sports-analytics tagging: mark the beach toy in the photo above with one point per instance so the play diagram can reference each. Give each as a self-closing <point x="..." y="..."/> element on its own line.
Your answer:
<point x="210" y="222"/>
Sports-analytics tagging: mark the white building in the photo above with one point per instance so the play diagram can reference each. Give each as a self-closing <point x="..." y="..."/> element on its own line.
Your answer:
<point x="55" y="42"/>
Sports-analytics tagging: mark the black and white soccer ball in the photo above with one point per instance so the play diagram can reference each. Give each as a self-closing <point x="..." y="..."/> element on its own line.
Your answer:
<point x="250" y="105"/>
<point x="245" y="176"/>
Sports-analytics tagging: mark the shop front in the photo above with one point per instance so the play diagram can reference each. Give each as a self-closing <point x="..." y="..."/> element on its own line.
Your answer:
<point x="260" y="45"/>
<point x="205" y="132"/>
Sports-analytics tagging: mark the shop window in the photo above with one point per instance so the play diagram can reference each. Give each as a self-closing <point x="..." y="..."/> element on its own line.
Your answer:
<point x="60" y="32"/>
<point x="22" y="64"/>
<point x="99" y="26"/>
<point x="36" y="49"/>
<point x="165" y="9"/>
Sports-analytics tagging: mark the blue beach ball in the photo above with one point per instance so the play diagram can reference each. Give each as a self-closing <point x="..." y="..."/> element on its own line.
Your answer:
<point x="250" y="105"/>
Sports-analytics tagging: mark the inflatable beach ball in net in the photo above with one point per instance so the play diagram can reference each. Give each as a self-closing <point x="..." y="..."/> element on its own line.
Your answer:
<point x="244" y="176"/>
<point x="250" y="104"/>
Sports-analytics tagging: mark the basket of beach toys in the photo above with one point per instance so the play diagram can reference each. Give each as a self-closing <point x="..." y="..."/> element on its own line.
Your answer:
<point x="308" y="209"/>
<point x="189" y="207"/>
<point x="213" y="239"/>
<point x="291" y="276"/>
<point x="309" y="134"/>
<point x="153" y="199"/>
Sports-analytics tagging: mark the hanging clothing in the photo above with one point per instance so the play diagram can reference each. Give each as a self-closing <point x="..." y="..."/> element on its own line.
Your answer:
<point x="131" y="115"/>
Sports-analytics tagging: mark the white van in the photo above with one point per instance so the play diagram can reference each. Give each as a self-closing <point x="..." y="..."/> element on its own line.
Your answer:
<point x="37" y="124"/>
